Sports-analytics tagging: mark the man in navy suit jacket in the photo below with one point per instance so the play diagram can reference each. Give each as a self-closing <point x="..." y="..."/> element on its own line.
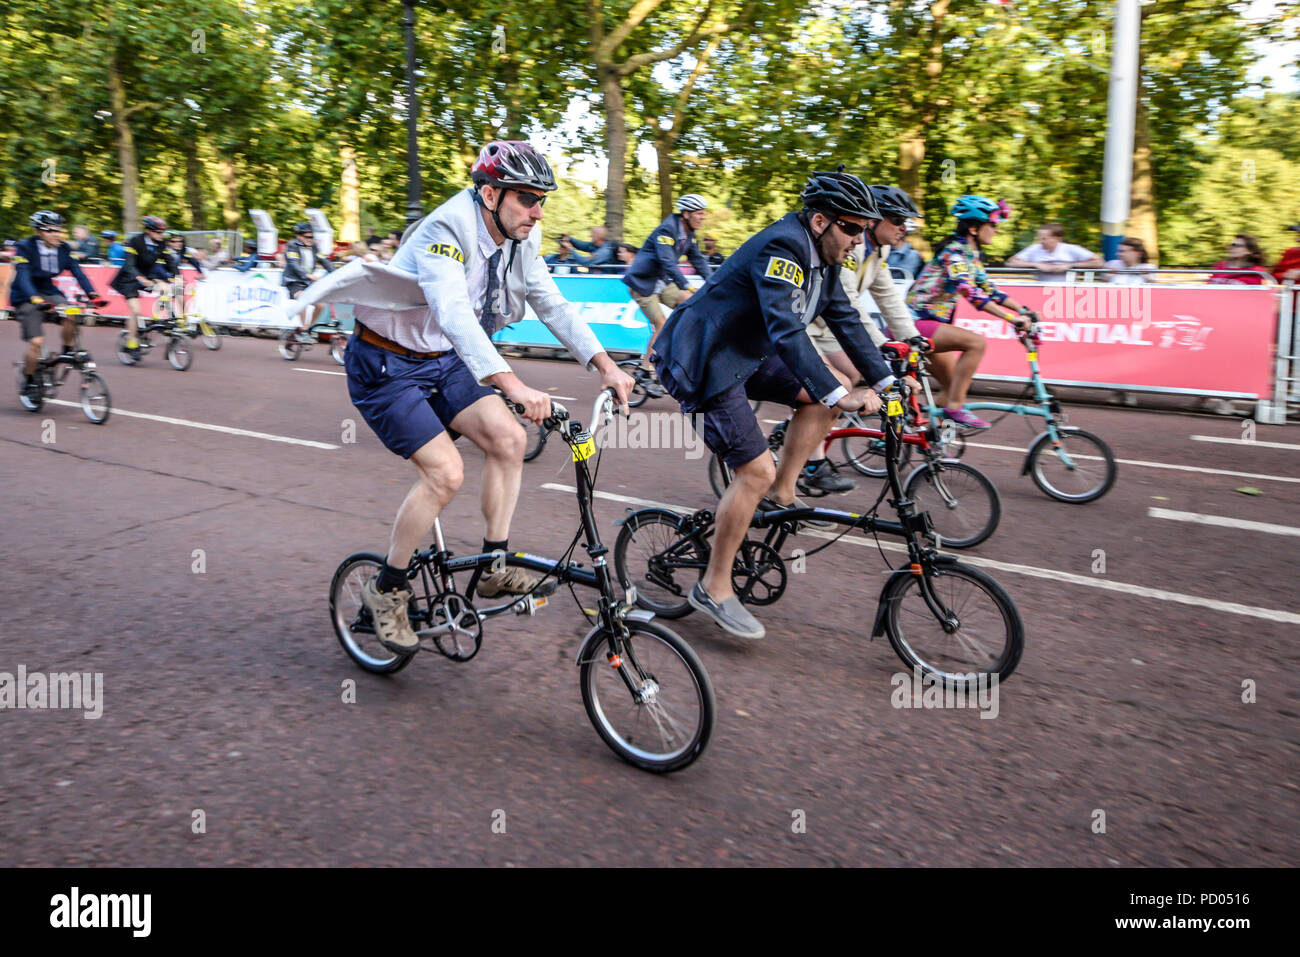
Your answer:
<point x="37" y="260"/>
<point x="743" y="336"/>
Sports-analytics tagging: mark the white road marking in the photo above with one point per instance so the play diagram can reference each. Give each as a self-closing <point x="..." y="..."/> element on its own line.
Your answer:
<point x="168" y="420"/>
<point x="563" y="398"/>
<point x="1262" y="445"/>
<point x="318" y="371"/>
<point x="1139" y="591"/>
<point x="1222" y="521"/>
<point x="1153" y="465"/>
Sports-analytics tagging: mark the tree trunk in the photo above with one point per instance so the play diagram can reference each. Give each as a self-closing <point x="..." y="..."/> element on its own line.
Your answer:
<point x="911" y="149"/>
<point x="193" y="189"/>
<point x="616" y="151"/>
<point x="231" y="213"/>
<point x="350" y="197"/>
<point x="126" y="156"/>
<point x="664" y="151"/>
<point x="1142" y="222"/>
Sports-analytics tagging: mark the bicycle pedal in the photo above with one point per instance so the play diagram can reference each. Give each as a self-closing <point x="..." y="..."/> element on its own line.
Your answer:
<point x="531" y="604"/>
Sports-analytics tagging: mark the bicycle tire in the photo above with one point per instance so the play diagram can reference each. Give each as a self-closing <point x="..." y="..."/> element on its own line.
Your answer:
<point x="663" y="555"/>
<point x="179" y="354"/>
<point x="862" y="453"/>
<point x="683" y="732"/>
<point x="1037" y="462"/>
<point x="935" y="490"/>
<point x="289" y="348"/>
<point x="94" y="394"/>
<point x="535" y="437"/>
<point x="945" y="579"/>
<point x="211" y="337"/>
<point x="350" y="617"/>
<point x="338" y="347"/>
<point x="720" y="475"/>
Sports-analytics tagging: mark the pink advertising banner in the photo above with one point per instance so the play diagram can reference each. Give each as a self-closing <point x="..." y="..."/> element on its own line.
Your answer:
<point x="1201" y="339"/>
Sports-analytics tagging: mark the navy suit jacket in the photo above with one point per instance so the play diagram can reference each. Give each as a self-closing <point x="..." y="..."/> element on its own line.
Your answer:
<point x="753" y="308"/>
<point x="31" y="279"/>
<point x="658" y="256"/>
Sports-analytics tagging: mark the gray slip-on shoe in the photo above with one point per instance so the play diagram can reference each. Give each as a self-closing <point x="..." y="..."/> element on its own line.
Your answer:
<point x="730" y="615"/>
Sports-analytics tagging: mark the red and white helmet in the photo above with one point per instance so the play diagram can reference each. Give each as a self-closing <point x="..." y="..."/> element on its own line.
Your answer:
<point x="512" y="163"/>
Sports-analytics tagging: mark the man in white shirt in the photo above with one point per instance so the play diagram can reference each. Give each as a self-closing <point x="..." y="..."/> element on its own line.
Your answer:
<point x="1052" y="257"/>
<point x="421" y="364"/>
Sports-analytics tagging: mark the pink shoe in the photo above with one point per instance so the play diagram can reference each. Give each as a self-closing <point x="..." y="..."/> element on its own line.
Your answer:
<point x="968" y="419"/>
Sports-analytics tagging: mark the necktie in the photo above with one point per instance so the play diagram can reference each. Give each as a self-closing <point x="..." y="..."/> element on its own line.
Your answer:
<point x="490" y="314"/>
<point x="810" y="311"/>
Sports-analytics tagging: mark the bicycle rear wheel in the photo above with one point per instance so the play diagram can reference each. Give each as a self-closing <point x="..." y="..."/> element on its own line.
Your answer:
<point x="95" y="401"/>
<point x="338" y="347"/>
<point x="983" y="635"/>
<point x="653" y="554"/>
<point x="963" y="504"/>
<point x="1079" y="468"/>
<point x="648" y="696"/>
<point x="867" y="455"/>
<point x="290" y="347"/>
<point x="351" y="618"/>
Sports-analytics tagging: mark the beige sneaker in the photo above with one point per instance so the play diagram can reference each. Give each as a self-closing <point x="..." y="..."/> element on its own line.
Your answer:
<point x="392" y="626"/>
<point x="514" y="581"/>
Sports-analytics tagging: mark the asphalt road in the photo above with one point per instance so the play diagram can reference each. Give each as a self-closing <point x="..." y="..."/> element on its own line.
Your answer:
<point x="222" y="690"/>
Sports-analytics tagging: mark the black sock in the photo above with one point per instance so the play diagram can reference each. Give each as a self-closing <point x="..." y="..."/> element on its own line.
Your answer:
<point x="390" y="578"/>
<point x="491" y="547"/>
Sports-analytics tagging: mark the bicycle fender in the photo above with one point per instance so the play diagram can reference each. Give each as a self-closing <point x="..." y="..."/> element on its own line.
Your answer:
<point x="1029" y="456"/>
<point x="882" y="608"/>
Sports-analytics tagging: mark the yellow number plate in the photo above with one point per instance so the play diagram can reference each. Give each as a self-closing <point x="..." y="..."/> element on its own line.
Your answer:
<point x="1033" y="357"/>
<point x="895" y="408"/>
<point x="584" y="450"/>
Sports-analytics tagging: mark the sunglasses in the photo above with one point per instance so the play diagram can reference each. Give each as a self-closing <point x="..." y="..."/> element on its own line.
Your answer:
<point x="1242" y="245"/>
<point x="849" y="229"/>
<point x="529" y="200"/>
<point x="895" y="220"/>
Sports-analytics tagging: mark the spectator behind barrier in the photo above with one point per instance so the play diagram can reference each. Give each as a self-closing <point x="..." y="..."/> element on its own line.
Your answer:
<point x="1243" y="253"/>
<point x="904" y="257"/>
<point x="711" y="252"/>
<point x="1133" y="260"/>
<point x="84" y="247"/>
<point x="116" y="253"/>
<point x="249" y="259"/>
<point x="566" y="257"/>
<point x="1052" y="257"/>
<point x="626" y="253"/>
<point x="1288" y="265"/>
<point x="216" y="255"/>
<point x="604" y="251"/>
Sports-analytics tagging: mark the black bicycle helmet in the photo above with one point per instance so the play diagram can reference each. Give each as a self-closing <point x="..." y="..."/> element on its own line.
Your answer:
<point x="301" y="228"/>
<point x="153" y="222"/>
<point x="839" y="193"/>
<point x="46" y="219"/>
<point x="892" y="201"/>
<point x="512" y="164"/>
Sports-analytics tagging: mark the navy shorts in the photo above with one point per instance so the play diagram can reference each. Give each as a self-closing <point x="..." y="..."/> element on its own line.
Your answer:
<point x="407" y="402"/>
<point x="293" y="288"/>
<point x="727" y="423"/>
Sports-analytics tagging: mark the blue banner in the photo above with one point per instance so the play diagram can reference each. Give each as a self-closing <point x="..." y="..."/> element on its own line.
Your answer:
<point x="603" y="302"/>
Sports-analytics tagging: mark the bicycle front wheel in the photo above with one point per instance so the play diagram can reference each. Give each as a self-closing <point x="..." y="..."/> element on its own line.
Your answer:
<point x="1078" y="468"/>
<point x="290" y="347"/>
<point x="179" y="354"/>
<point x="94" y="398"/>
<point x="654" y="555"/>
<point x="963" y="504"/>
<point x="535" y="437"/>
<point x="720" y="475"/>
<point x="211" y="337"/>
<point x="351" y="618"/>
<point x="867" y="455"/>
<point x="979" y="633"/>
<point x="648" y="696"/>
<point x="338" y="347"/>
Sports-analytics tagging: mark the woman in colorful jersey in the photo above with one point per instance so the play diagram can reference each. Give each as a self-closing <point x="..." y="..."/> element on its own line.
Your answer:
<point x="956" y="269"/>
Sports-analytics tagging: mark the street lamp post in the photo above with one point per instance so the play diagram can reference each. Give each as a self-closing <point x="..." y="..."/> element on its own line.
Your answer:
<point x="414" y="208"/>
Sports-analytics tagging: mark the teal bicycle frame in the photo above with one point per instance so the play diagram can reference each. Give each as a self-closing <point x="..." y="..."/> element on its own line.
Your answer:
<point x="1051" y="442"/>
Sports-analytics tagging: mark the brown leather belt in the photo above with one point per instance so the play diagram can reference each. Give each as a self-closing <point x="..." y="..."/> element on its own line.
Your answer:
<point x="375" y="339"/>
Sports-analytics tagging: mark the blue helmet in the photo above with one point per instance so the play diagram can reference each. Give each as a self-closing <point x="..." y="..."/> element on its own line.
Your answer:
<point x="980" y="208"/>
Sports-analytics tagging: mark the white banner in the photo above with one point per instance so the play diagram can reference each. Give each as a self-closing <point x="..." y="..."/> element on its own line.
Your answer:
<point x="233" y="298"/>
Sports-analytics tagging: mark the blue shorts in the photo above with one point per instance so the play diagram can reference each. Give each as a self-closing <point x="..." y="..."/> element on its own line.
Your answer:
<point x="727" y="423"/>
<point x="407" y="402"/>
